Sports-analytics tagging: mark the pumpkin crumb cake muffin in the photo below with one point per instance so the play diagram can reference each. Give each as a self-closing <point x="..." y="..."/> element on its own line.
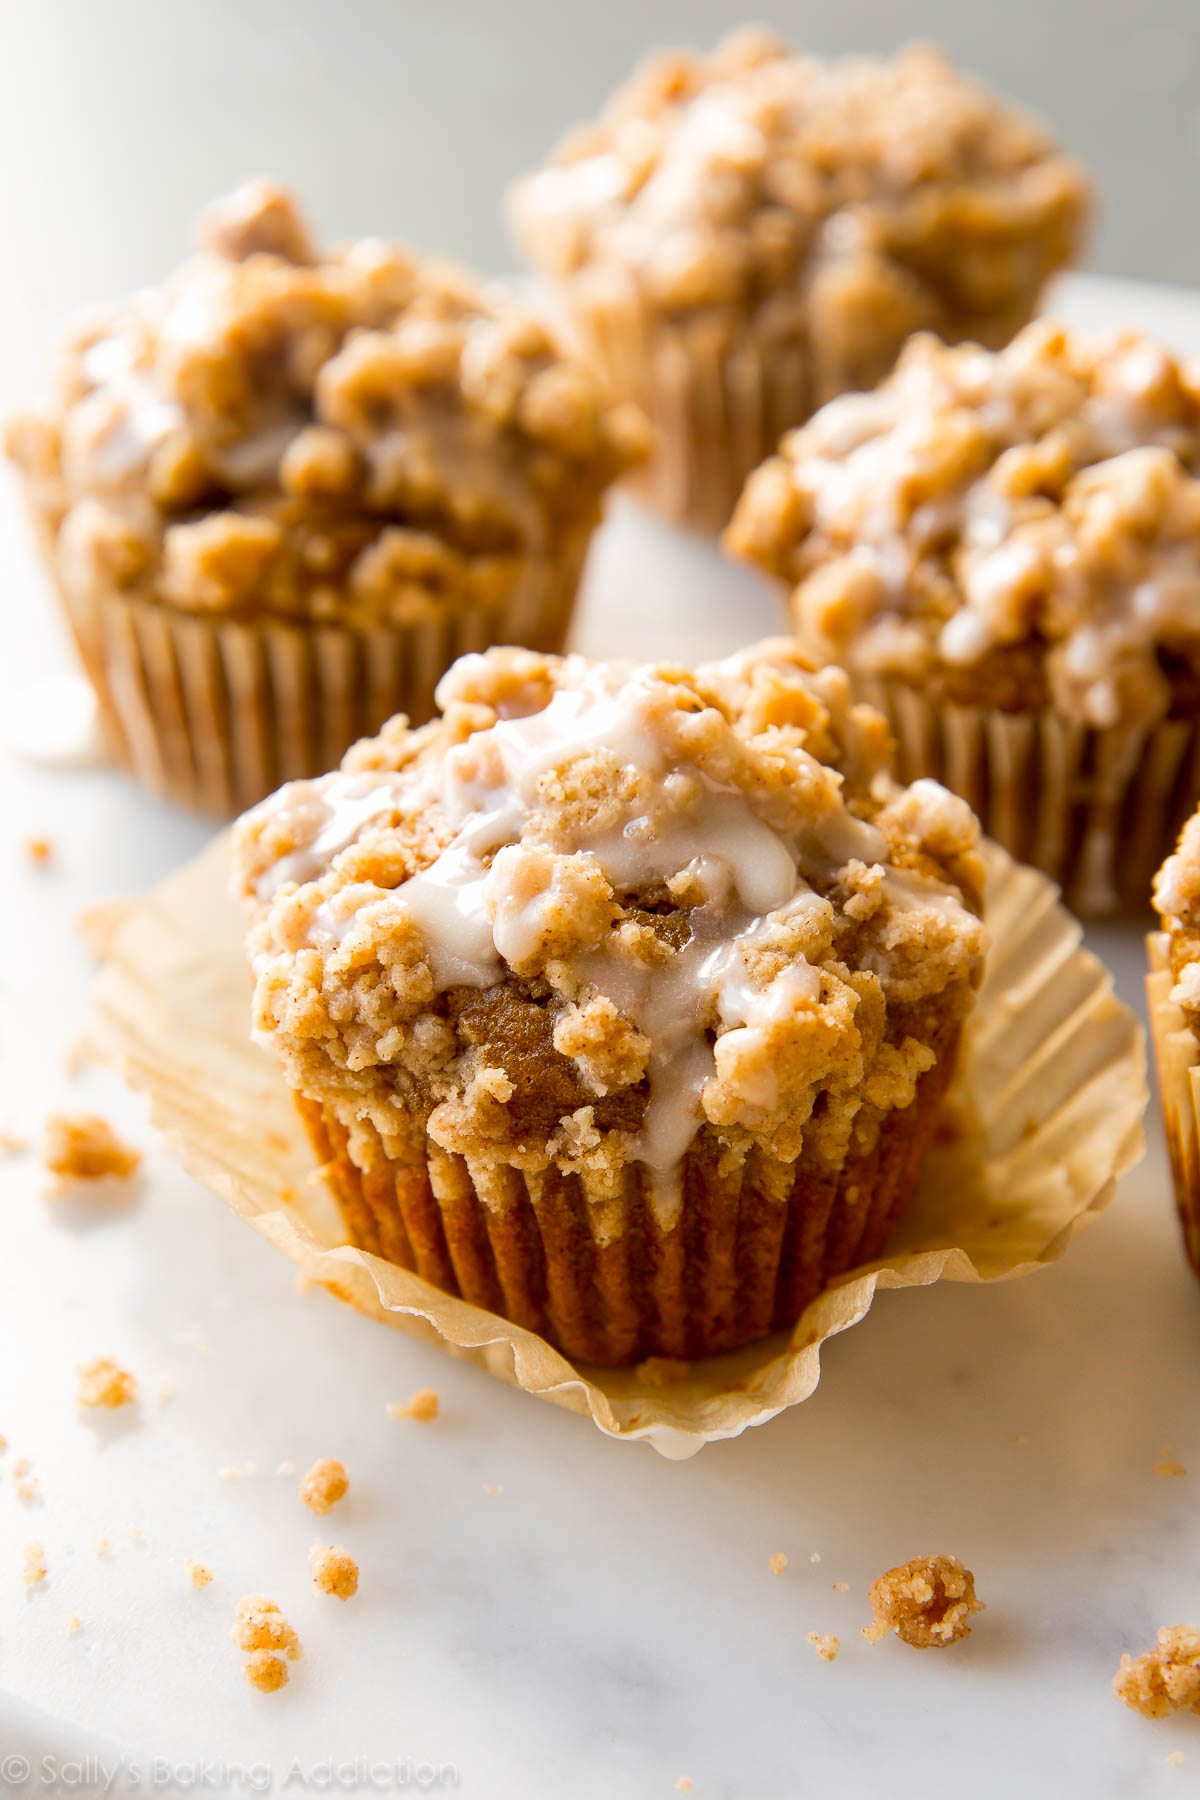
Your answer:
<point x="280" y="494"/>
<point x="743" y="235"/>
<point x="619" y="999"/>
<point x="1004" y="551"/>
<point x="1174" y="1000"/>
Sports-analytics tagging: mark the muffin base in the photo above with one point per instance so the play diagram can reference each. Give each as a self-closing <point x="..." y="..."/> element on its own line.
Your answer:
<point x="213" y="712"/>
<point x="1177" y="1058"/>
<point x="605" y="1279"/>
<point x="1096" y="810"/>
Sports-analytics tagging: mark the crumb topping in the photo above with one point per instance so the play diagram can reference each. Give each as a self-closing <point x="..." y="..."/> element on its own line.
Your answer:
<point x="84" y="1147"/>
<point x="1163" y="1680"/>
<point x="1176" y="900"/>
<point x="261" y="1629"/>
<point x="1020" y="527"/>
<point x="777" y="1562"/>
<point x="324" y="1485"/>
<point x="927" y="1602"/>
<point x="334" y="1571"/>
<point x="595" y="909"/>
<point x="813" y="192"/>
<point x="279" y="430"/>
<point x="103" y="1382"/>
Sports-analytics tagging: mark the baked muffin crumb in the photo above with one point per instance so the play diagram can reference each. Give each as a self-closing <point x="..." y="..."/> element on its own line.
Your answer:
<point x="84" y="1147"/>
<point x="103" y="1382"/>
<point x="334" y="1571"/>
<point x="1164" y="1679"/>
<point x="324" y="1485"/>
<point x="927" y="1602"/>
<point x="424" y="1406"/>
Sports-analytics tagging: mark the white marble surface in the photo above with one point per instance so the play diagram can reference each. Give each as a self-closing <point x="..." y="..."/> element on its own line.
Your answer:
<point x="606" y="1623"/>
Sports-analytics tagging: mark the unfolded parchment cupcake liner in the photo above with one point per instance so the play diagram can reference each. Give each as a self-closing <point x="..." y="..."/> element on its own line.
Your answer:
<point x="214" y="712"/>
<point x="1177" y="1057"/>
<point x="1097" y="810"/>
<point x="1048" y="1104"/>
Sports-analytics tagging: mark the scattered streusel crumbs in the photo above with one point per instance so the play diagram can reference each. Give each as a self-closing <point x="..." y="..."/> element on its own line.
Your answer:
<point x="261" y="1629"/>
<point x="74" y="1624"/>
<point x="814" y="1556"/>
<point x="84" y="1147"/>
<point x="325" y="1484"/>
<point x="1175" y="1760"/>
<point x="926" y="1601"/>
<point x="40" y="850"/>
<point x="103" y="1546"/>
<point x="25" y="1481"/>
<point x="334" y="1571"/>
<point x="199" y="1573"/>
<point x="1168" y="1467"/>
<point x="826" y="1644"/>
<point x="778" y="1562"/>
<point x="35" y="1564"/>
<point x="423" y="1405"/>
<point x="1165" y="1679"/>
<point x="841" y="1587"/>
<point x="103" y="1382"/>
<point x="684" y="1785"/>
<point x="661" y="1371"/>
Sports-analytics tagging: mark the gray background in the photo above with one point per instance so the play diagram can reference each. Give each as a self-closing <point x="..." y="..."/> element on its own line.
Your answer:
<point x="119" y="118"/>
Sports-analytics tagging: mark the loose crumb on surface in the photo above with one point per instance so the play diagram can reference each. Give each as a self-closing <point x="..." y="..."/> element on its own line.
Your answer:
<point x="1165" y="1679"/>
<point x="424" y="1405"/>
<point x="1175" y="1760"/>
<point x="325" y="1484"/>
<point x="3" y="1443"/>
<point x="103" y="1382"/>
<point x="825" y="1644"/>
<point x="199" y="1573"/>
<point x="84" y="1147"/>
<point x="261" y="1629"/>
<point x="103" y="1545"/>
<point x="927" y="1602"/>
<point x="814" y="1556"/>
<point x="40" y="850"/>
<point x="74" y="1624"/>
<point x="684" y="1784"/>
<point x="493" y="1487"/>
<point x="778" y="1562"/>
<point x="660" y="1371"/>
<point x="286" y="1467"/>
<point x="24" y="1480"/>
<point x="1168" y="1467"/>
<point x="334" y="1571"/>
<point x="35" y="1564"/>
<point x="841" y="1587"/>
<point x="137" y="1534"/>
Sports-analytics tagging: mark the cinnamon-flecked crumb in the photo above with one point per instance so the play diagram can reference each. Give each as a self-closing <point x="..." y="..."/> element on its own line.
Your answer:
<point x="103" y="1382"/>
<point x="334" y="1571"/>
<point x="35" y="1565"/>
<point x="261" y="1629"/>
<point x="423" y="1405"/>
<point x="199" y="1573"/>
<point x="1165" y="1679"/>
<point x="778" y="1562"/>
<point x="927" y="1602"/>
<point x="826" y="1644"/>
<point x="324" y="1485"/>
<point x="84" y="1147"/>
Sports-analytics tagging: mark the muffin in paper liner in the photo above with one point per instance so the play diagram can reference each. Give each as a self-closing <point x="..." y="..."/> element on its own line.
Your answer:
<point x="213" y="712"/>
<point x="1045" y="1116"/>
<point x="1095" y="809"/>
<point x="1177" y="1058"/>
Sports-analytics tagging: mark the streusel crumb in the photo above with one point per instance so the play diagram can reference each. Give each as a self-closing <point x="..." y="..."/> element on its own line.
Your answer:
<point x="423" y="1405"/>
<point x="199" y="1573"/>
<point x="40" y="851"/>
<point x="103" y="1382"/>
<point x="778" y="1562"/>
<point x="927" y="1602"/>
<point x="334" y="1571"/>
<point x="261" y="1629"/>
<point x="74" y="1624"/>
<point x="84" y="1147"/>
<point x="324" y="1485"/>
<point x="826" y="1644"/>
<point x="265" y="1672"/>
<point x="1163" y="1680"/>
<point x="35" y="1564"/>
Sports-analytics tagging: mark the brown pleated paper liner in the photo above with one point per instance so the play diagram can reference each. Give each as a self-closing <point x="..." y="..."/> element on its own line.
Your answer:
<point x="1096" y="810"/>
<point x="214" y="712"/>
<point x="1177" y="1056"/>
<point x="1052" y="1082"/>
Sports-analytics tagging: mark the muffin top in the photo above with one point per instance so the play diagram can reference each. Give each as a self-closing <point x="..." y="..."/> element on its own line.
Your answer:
<point x="1019" y="528"/>
<point x="1177" y="903"/>
<point x="721" y="180"/>
<point x="276" y="429"/>
<point x="594" y="910"/>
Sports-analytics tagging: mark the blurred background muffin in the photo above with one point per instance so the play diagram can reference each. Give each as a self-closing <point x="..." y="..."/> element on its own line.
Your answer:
<point x="741" y="236"/>
<point x="1004" y="550"/>
<point x="1173" y="994"/>
<point x="281" y="493"/>
<point x="620" y="1000"/>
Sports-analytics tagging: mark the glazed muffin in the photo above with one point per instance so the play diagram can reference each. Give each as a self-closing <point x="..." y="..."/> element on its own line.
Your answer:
<point x="1173" y="991"/>
<point x="742" y="236"/>
<point x="281" y="493"/>
<point x="1004" y="550"/>
<point x="619" y="999"/>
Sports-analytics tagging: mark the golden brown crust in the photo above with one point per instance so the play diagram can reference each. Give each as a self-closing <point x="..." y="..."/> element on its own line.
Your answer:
<point x="1013" y="529"/>
<point x="278" y="432"/>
